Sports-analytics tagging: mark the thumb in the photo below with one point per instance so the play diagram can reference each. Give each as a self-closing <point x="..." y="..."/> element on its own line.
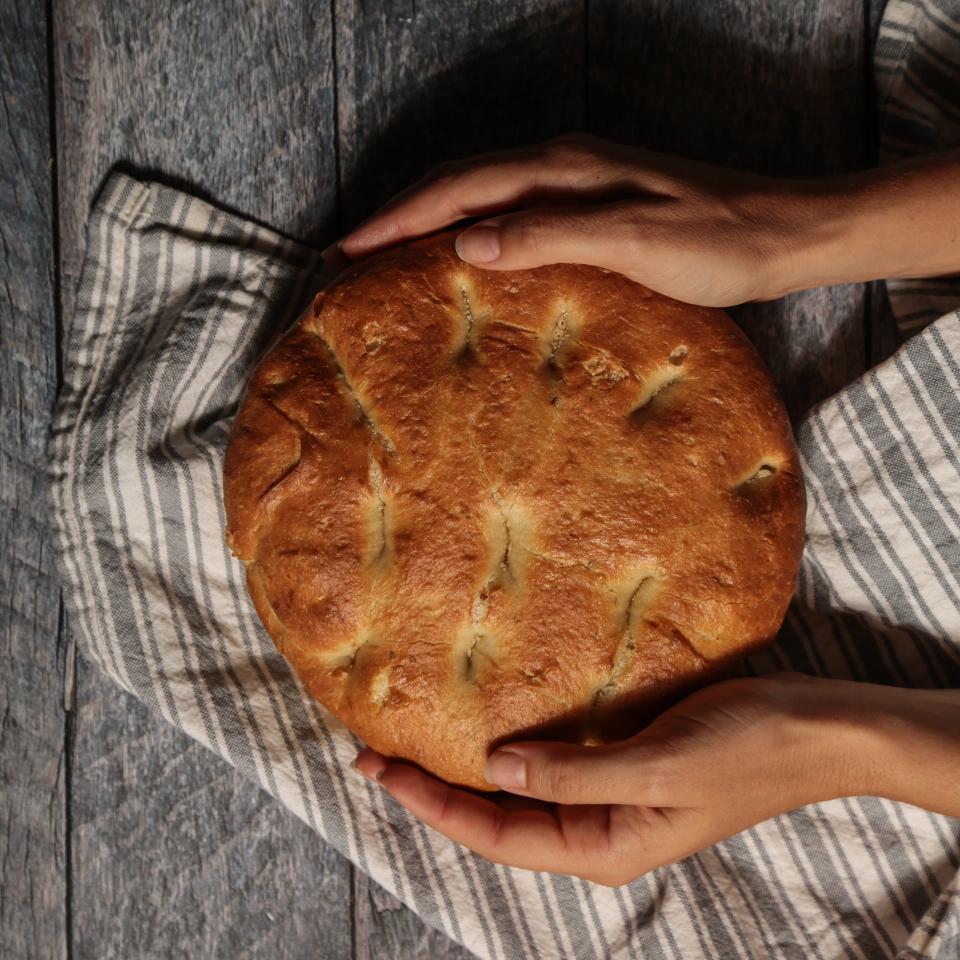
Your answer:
<point x="602" y="236"/>
<point x="627" y="772"/>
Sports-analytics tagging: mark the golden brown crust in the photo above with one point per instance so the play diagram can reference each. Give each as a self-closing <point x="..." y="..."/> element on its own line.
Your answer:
<point x="474" y="504"/>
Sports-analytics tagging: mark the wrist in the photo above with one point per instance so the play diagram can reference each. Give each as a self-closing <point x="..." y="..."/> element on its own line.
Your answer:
<point x="864" y="739"/>
<point x="888" y="222"/>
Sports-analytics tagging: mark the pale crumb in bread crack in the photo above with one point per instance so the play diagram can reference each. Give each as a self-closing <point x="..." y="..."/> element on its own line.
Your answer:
<point x="559" y="336"/>
<point x="633" y="597"/>
<point x="758" y="473"/>
<point x="473" y="652"/>
<point x="378" y="520"/>
<point x="364" y="413"/>
<point x="656" y="387"/>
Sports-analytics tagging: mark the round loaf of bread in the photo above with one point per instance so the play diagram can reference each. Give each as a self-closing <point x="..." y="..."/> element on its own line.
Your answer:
<point x="476" y="506"/>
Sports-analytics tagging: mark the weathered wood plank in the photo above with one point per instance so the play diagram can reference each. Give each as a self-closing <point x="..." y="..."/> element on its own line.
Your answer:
<point x="33" y="863"/>
<point x="417" y="84"/>
<point x="384" y="927"/>
<point x="173" y="853"/>
<point x="176" y="854"/>
<point x="776" y="88"/>
<point x="420" y="83"/>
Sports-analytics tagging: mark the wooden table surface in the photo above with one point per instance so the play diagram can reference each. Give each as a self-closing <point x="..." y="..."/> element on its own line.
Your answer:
<point x="119" y="837"/>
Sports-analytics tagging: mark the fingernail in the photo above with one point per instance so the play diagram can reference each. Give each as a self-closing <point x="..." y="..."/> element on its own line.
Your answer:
<point x="479" y="244"/>
<point x="507" y="770"/>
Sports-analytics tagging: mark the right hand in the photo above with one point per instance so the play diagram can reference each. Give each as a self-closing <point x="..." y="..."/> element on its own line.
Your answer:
<point x="706" y="235"/>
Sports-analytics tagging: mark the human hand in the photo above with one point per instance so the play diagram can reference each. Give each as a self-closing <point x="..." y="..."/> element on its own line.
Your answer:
<point x="725" y="758"/>
<point x="698" y="233"/>
<point x="695" y="232"/>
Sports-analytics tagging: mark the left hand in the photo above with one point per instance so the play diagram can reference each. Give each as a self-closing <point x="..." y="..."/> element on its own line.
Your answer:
<point x="725" y="758"/>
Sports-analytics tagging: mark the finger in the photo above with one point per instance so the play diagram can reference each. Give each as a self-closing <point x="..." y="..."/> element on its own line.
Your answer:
<point x="332" y="261"/>
<point x="436" y="203"/>
<point x="531" y="839"/>
<point x="604" y="236"/>
<point x="370" y="763"/>
<point x="482" y="186"/>
<point x="617" y="773"/>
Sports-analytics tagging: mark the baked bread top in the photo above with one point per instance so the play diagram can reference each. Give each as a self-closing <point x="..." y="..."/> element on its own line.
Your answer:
<point x="477" y="505"/>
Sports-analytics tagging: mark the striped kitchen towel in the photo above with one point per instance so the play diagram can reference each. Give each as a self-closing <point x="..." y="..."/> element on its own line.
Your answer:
<point x="176" y="302"/>
<point x="916" y="69"/>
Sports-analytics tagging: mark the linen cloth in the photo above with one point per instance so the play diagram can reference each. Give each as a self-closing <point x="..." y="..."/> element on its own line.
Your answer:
<point x="176" y="302"/>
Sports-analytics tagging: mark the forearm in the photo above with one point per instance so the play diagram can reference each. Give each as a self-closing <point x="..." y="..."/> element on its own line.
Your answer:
<point x="918" y="750"/>
<point x="899" y="220"/>
<point x="885" y="741"/>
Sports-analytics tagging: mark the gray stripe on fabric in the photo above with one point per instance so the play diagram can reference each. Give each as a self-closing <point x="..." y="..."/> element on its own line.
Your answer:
<point x="867" y="843"/>
<point x="884" y="838"/>
<point x="889" y="586"/>
<point x="919" y="903"/>
<point x="813" y="852"/>
<point x="903" y="476"/>
<point x="69" y="424"/>
<point x="883" y="571"/>
<point x="96" y="492"/>
<point x="652" y="906"/>
<point x="514" y="895"/>
<point x="715" y="896"/>
<point x="129" y="594"/>
<point x="465" y="860"/>
<point x="90" y="560"/>
<point x="548" y="910"/>
<point x="753" y="892"/>
<point x="941" y="13"/>
<point x="711" y="919"/>
<point x="946" y="355"/>
<point x="773" y="878"/>
<point x="850" y="631"/>
<point x="630" y="927"/>
<point x="588" y="898"/>
<point x="826" y="586"/>
<point x="209" y="695"/>
<point x="571" y="913"/>
<point x="934" y="379"/>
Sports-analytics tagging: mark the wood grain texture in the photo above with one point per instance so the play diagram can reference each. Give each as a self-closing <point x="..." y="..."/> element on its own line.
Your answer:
<point x="177" y="855"/>
<point x="421" y="83"/>
<point x="383" y="927"/>
<point x="776" y="88"/>
<point x="33" y="881"/>
<point x="229" y="99"/>
<point x="173" y="853"/>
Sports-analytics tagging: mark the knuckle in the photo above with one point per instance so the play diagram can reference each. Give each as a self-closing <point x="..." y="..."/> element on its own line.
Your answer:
<point x="530" y="233"/>
<point x="443" y="170"/>
<point x="572" y="148"/>
<point x="610" y="876"/>
<point x="558" y="781"/>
